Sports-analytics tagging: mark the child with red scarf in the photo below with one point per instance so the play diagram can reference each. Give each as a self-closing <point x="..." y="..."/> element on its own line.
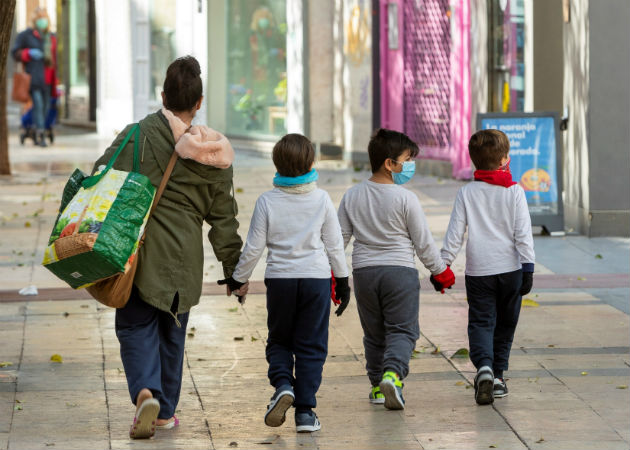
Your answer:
<point x="499" y="258"/>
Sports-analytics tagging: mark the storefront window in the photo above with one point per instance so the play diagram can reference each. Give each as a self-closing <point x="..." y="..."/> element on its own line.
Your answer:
<point x="256" y="67"/>
<point x="162" y="17"/>
<point x="507" y="55"/>
<point x="78" y="51"/>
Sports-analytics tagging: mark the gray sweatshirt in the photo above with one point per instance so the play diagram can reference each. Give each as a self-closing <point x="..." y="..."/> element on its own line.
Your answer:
<point x="388" y="226"/>
<point x="302" y="234"/>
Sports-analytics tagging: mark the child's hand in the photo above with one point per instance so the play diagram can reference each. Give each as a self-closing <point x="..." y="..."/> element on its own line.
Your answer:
<point x="528" y="281"/>
<point x="232" y="285"/>
<point x="342" y="293"/>
<point x="443" y="280"/>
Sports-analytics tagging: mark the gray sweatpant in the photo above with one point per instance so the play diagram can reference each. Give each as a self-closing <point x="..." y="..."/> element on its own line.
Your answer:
<point x="388" y="299"/>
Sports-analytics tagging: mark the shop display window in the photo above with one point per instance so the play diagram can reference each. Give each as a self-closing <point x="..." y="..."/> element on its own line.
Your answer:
<point x="256" y="67"/>
<point x="507" y="55"/>
<point x="162" y="18"/>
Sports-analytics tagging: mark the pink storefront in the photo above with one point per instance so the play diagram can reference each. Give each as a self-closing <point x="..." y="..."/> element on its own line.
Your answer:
<point x="425" y="76"/>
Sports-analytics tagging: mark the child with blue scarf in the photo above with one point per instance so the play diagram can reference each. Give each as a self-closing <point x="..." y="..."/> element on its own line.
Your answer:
<point x="298" y="224"/>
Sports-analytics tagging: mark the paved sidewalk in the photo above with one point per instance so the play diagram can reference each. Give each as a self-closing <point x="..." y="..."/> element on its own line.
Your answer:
<point x="568" y="379"/>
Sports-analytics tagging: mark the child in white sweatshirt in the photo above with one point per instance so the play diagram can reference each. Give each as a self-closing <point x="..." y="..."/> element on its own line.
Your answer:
<point x="499" y="258"/>
<point x="298" y="224"/>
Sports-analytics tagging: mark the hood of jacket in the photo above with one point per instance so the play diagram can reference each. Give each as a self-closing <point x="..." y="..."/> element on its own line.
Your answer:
<point x="158" y="134"/>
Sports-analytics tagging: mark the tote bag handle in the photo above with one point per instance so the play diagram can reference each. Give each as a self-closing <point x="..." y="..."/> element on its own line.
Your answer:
<point x="91" y="181"/>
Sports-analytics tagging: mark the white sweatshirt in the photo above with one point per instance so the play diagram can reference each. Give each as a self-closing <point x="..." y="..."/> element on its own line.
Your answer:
<point x="388" y="225"/>
<point x="302" y="234"/>
<point x="499" y="229"/>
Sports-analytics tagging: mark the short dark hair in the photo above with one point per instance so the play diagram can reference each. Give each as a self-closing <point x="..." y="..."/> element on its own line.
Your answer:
<point x="293" y="155"/>
<point x="389" y="144"/>
<point x="182" y="85"/>
<point x="487" y="148"/>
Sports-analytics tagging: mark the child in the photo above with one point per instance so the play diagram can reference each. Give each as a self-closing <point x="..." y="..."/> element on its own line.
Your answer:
<point x="499" y="258"/>
<point x="298" y="224"/>
<point x="388" y="225"/>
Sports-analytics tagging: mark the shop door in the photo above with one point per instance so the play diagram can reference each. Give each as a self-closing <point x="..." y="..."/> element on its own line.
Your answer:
<point x="427" y="75"/>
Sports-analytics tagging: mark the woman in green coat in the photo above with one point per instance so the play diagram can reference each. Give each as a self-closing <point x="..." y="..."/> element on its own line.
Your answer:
<point x="151" y="328"/>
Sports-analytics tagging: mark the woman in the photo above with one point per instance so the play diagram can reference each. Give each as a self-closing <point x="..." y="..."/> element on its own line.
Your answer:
<point x="151" y="328"/>
<point x="36" y="48"/>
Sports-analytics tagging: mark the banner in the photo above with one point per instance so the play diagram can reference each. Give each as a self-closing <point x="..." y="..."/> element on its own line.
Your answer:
<point x="534" y="161"/>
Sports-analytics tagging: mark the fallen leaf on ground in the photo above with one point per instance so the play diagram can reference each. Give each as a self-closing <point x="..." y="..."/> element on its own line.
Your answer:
<point x="492" y="446"/>
<point x="239" y="190"/>
<point x="528" y="302"/>
<point x="460" y="383"/>
<point x="5" y="363"/>
<point x="622" y="386"/>
<point x="233" y="444"/>
<point x="27" y="224"/>
<point x="436" y="351"/>
<point x="598" y="256"/>
<point x="233" y="309"/>
<point x="191" y="335"/>
<point x="581" y="279"/>
<point x="239" y="338"/>
<point x="461" y="353"/>
<point x="551" y="346"/>
<point x="584" y="373"/>
<point x="254" y="339"/>
<point x="540" y="440"/>
<point x="56" y="358"/>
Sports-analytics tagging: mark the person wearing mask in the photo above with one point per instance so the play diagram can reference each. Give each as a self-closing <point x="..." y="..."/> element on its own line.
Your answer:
<point x="36" y="48"/>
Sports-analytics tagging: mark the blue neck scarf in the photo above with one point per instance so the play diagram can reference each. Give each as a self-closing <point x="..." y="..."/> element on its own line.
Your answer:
<point x="308" y="177"/>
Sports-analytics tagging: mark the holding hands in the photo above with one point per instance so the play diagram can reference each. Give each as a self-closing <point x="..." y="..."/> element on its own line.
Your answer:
<point x="35" y="54"/>
<point x="443" y="280"/>
<point x="235" y="287"/>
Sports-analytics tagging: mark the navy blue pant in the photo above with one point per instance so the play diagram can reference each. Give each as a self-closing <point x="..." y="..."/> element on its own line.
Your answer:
<point x="297" y="317"/>
<point x="152" y="351"/>
<point x="494" y="304"/>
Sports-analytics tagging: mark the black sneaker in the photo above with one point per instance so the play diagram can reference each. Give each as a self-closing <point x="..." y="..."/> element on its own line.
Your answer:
<point x="484" y="385"/>
<point x="306" y="422"/>
<point x="500" y="388"/>
<point x="281" y="400"/>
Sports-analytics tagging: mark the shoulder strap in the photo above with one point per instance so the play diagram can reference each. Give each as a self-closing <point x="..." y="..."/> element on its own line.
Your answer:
<point x="165" y="177"/>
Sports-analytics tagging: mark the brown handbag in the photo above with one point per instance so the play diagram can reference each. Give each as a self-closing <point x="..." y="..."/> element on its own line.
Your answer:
<point x="116" y="290"/>
<point x="21" y="86"/>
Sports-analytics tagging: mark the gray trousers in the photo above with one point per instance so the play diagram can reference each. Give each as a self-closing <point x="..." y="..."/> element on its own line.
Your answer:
<point x="388" y="300"/>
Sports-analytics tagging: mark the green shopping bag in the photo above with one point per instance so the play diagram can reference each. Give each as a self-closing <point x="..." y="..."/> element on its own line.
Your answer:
<point x="100" y="222"/>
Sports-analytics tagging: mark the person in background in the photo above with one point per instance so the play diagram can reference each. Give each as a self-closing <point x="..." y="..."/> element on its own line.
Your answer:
<point x="36" y="48"/>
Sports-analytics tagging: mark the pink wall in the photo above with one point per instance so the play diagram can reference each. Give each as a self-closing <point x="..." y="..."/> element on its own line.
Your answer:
<point x="392" y="78"/>
<point x="391" y="70"/>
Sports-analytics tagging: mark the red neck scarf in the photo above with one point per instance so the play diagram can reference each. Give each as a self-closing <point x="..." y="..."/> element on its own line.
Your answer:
<point x="498" y="177"/>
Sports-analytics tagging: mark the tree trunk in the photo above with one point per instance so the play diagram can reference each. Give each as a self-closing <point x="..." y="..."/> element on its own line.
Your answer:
<point x="7" y="10"/>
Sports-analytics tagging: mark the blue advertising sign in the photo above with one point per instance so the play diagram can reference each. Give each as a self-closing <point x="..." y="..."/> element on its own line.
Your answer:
<point x="534" y="161"/>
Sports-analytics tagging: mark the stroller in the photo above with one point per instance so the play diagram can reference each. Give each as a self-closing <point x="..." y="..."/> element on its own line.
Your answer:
<point x="28" y="129"/>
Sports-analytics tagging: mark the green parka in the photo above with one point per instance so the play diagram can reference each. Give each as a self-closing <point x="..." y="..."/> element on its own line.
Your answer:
<point x="171" y="259"/>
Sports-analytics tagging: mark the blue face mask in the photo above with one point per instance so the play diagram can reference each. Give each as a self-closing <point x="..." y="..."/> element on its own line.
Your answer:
<point x="408" y="169"/>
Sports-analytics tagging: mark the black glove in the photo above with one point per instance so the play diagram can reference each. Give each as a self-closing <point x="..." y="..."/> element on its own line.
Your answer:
<point x="233" y="285"/>
<point x="342" y="292"/>
<point x="436" y="284"/>
<point x="528" y="281"/>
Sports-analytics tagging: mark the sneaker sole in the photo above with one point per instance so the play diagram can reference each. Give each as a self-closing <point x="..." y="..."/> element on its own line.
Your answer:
<point x="392" y="400"/>
<point x="276" y="415"/>
<point x="485" y="392"/>
<point x="308" y="428"/>
<point x="500" y="395"/>
<point x="377" y="401"/>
